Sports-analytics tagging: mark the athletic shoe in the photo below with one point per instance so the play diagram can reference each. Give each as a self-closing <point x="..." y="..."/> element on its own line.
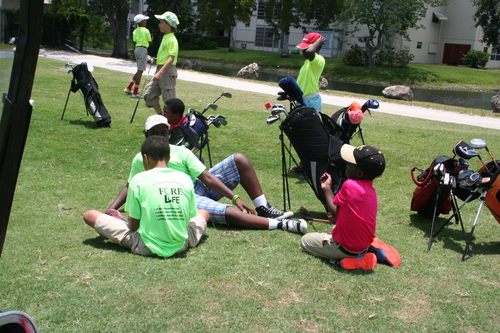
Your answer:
<point x="386" y="254"/>
<point x="137" y="96"/>
<point x="272" y="213"/>
<point x="366" y="262"/>
<point x="295" y="226"/>
<point x="127" y="91"/>
<point x="296" y="169"/>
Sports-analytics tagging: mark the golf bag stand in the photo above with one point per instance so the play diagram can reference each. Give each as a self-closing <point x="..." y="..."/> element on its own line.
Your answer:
<point x="85" y="82"/>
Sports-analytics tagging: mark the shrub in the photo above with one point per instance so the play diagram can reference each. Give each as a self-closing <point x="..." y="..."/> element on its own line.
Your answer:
<point x="403" y="58"/>
<point x="476" y="59"/>
<point x="353" y="57"/>
<point x="189" y="41"/>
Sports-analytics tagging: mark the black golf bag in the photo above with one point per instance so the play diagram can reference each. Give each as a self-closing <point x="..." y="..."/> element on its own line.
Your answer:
<point x="193" y="134"/>
<point x="84" y="81"/>
<point x="317" y="146"/>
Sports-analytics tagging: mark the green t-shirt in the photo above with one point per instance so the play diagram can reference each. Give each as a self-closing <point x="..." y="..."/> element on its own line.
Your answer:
<point x="181" y="159"/>
<point x="309" y="74"/>
<point x="168" y="47"/>
<point x="164" y="202"/>
<point x="141" y="36"/>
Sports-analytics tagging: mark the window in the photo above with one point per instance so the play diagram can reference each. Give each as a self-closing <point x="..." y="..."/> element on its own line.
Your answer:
<point x="423" y="13"/>
<point x="419" y="45"/>
<point x="264" y="37"/>
<point x="261" y="10"/>
<point x="495" y="54"/>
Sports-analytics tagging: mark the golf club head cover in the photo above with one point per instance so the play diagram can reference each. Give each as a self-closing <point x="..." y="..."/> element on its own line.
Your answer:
<point x="370" y="104"/>
<point x="355" y="113"/>
<point x="464" y="151"/>
<point x="290" y="86"/>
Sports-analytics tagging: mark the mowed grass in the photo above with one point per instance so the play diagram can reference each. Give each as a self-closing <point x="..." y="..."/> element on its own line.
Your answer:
<point x="56" y="268"/>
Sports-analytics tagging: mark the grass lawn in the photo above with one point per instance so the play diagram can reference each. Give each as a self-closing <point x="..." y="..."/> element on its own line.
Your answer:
<point x="56" y="268"/>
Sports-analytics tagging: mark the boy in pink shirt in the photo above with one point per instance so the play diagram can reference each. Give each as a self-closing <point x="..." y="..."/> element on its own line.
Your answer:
<point x="353" y="209"/>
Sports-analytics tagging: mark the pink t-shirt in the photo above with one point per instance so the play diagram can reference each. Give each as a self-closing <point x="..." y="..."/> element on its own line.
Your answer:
<point x="356" y="214"/>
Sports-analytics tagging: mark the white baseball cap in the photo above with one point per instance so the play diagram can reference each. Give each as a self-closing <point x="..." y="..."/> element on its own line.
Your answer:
<point x="169" y="17"/>
<point x="157" y="119"/>
<point x="139" y="18"/>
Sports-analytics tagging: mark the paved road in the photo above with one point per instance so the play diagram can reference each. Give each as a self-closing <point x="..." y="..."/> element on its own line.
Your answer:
<point x="239" y="84"/>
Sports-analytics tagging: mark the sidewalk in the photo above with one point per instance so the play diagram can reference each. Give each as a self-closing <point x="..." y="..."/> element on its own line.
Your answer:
<point x="269" y="89"/>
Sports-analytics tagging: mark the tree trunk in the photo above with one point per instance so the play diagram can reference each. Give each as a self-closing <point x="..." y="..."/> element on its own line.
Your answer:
<point x="118" y="22"/>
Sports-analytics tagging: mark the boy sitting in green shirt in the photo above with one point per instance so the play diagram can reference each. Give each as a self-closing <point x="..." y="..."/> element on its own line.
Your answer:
<point x="163" y="219"/>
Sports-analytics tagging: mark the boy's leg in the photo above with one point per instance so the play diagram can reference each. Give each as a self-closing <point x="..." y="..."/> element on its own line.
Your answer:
<point x="196" y="228"/>
<point x="167" y="83"/>
<point x="117" y="231"/>
<point x="321" y="244"/>
<point x="151" y="96"/>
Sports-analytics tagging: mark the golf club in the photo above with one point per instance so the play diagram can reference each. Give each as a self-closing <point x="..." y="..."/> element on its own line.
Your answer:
<point x="271" y="119"/>
<point x="279" y="108"/>
<point x="146" y="81"/>
<point x="212" y="105"/>
<point x="478" y="144"/>
<point x="370" y="104"/>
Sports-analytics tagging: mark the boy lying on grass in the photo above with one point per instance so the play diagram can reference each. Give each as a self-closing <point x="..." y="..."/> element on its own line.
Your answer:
<point x="218" y="182"/>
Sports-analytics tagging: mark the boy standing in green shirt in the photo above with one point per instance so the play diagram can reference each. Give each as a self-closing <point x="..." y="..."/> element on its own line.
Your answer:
<point x="142" y="40"/>
<point x="163" y="219"/>
<point x="165" y="78"/>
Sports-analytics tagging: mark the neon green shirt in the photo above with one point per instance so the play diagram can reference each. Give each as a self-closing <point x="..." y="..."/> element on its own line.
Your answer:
<point x="164" y="202"/>
<point x="308" y="79"/>
<point x="181" y="159"/>
<point x="168" y="47"/>
<point x="141" y="37"/>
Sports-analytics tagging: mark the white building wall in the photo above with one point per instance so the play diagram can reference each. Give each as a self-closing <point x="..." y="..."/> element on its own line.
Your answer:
<point x="427" y="45"/>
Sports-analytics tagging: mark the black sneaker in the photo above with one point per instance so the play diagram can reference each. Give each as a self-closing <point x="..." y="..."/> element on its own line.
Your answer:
<point x="272" y="213"/>
<point x="295" y="226"/>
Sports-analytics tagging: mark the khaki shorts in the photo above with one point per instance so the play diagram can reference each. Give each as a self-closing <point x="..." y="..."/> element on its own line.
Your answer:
<point x="164" y="87"/>
<point x="118" y="231"/>
<point x="321" y="244"/>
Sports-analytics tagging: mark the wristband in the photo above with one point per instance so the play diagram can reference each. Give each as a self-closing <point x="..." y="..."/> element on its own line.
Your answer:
<point x="236" y="197"/>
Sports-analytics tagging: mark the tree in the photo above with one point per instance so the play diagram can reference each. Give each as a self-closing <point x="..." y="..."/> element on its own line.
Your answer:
<point x="488" y="17"/>
<point x="117" y="13"/>
<point x="76" y="14"/>
<point x="214" y="14"/>
<point x="383" y="19"/>
<point x="281" y="15"/>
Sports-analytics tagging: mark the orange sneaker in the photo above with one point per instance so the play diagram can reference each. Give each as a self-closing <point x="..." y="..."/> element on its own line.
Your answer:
<point x="366" y="261"/>
<point x="386" y="254"/>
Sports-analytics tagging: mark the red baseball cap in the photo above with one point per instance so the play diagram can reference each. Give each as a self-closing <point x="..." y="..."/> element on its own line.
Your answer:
<point x="309" y="39"/>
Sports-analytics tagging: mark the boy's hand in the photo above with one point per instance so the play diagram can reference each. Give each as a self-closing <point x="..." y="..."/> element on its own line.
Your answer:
<point x="326" y="182"/>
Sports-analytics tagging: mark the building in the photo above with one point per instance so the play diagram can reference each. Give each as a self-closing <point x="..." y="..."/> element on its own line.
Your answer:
<point x="449" y="34"/>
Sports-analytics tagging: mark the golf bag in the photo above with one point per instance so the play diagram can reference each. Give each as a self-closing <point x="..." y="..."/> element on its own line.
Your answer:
<point x="492" y="198"/>
<point x="84" y="81"/>
<point x="193" y="134"/>
<point x="432" y="188"/>
<point x="317" y="146"/>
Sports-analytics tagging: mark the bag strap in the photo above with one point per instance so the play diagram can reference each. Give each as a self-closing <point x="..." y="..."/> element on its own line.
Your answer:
<point x="427" y="177"/>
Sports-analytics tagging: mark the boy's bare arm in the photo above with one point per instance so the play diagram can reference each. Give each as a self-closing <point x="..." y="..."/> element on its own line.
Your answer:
<point x="326" y="186"/>
<point x="314" y="48"/>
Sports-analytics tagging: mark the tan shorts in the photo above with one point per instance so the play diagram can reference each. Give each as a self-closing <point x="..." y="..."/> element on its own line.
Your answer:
<point x="118" y="231"/>
<point x="164" y="87"/>
<point x="321" y="244"/>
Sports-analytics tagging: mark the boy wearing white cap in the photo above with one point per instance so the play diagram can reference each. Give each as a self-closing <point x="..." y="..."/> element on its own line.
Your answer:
<point x="165" y="78"/>
<point x="142" y="40"/>
<point x="163" y="218"/>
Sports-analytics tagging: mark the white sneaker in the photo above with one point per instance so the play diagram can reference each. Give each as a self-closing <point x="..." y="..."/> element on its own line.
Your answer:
<point x="127" y="91"/>
<point x="137" y="96"/>
<point x="295" y="226"/>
